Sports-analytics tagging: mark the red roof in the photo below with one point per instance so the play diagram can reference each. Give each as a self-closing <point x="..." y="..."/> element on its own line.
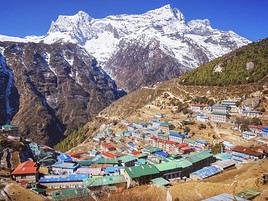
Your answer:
<point x="170" y="142"/>
<point x="27" y="167"/>
<point x="108" y="154"/>
<point x="186" y="148"/>
<point x="75" y="154"/>
<point x="107" y="145"/>
<point x="136" y="152"/>
<point x="181" y="145"/>
<point x="249" y="151"/>
<point x="165" y="141"/>
<point x="256" y="127"/>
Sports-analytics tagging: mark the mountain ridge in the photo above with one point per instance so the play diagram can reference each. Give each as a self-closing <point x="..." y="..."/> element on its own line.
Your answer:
<point x="178" y="39"/>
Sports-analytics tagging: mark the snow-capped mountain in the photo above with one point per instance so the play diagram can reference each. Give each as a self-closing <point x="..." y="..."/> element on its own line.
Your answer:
<point x="189" y="43"/>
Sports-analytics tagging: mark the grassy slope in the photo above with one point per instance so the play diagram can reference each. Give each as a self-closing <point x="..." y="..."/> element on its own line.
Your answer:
<point x="234" y="67"/>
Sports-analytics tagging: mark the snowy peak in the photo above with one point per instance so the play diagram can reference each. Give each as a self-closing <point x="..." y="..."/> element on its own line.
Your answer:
<point x="187" y="42"/>
<point x="165" y="13"/>
<point x="75" y="29"/>
<point x="68" y="23"/>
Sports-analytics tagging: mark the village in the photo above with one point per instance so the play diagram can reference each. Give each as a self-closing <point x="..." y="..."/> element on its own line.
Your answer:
<point x="160" y="151"/>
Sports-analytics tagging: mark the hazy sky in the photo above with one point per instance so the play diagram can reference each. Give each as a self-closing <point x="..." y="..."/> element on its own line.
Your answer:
<point x="248" y="18"/>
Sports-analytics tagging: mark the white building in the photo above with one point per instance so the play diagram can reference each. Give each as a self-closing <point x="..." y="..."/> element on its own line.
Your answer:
<point x="219" y="117"/>
<point x="220" y="108"/>
<point x="232" y="104"/>
<point x="195" y="107"/>
<point x="201" y="117"/>
<point x="251" y="113"/>
<point x="248" y="135"/>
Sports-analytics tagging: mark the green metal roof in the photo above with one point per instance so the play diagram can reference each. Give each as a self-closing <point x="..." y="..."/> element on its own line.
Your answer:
<point x="248" y="194"/>
<point x="184" y="163"/>
<point x="223" y="156"/>
<point x="143" y="170"/>
<point x="69" y="193"/>
<point x="142" y="161"/>
<point x="165" y="124"/>
<point x="104" y="181"/>
<point x="153" y="149"/>
<point x="160" y="181"/>
<point x="174" y="164"/>
<point x="219" y="113"/>
<point x="142" y="155"/>
<point x="189" y="141"/>
<point x="85" y="162"/>
<point x="107" y="161"/>
<point x="127" y="158"/>
<point x="199" y="156"/>
<point x="9" y="126"/>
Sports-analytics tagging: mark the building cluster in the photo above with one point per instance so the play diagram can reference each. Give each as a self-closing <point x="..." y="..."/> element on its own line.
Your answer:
<point x="143" y="153"/>
<point x="224" y="111"/>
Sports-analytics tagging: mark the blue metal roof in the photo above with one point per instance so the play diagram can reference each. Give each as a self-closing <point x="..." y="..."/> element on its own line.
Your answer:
<point x="162" y="154"/>
<point x="225" y="197"/>
<point x="110" y="170"/>
<point x="265" y="129"/>
<point x="65" y="165"/>
<point x="207" y="171"/>
<point x="177" y="135"/>
<point x="64" y="157"/>
<point x="202" y="141"/>
<point x="131" y="144"/>
<point x="63" y="178"/>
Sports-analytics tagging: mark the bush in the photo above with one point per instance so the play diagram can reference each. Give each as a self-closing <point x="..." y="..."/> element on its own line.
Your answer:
<point x="187" y="129"/>
<point x="217" y="148"/>
<point x="202" y="126"/>
<point x="255" y="121"/>
<point x="186" y="111"/>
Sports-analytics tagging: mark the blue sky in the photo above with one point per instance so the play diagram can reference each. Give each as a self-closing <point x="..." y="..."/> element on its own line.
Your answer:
<point x="33" y="17"/>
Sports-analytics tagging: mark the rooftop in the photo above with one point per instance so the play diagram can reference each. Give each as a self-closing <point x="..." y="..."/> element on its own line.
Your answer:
<point x="127" y="158"/>
<point x="104" y="181"/>
<point x="63" y="178"/>
<point x="175" y="164"/>
<point x="246" y="150"/>
<point x="107" y="161"/>
<point x="143" y="170"/>
<point x="225" y="197"/>
<point x="207" y="171"/>
<point x="65" y="165"/>
<point x="219" y="113"/>
<point x="27" y="167"/>
<point x="199" y="156"/>
<point x="160" y="181"/>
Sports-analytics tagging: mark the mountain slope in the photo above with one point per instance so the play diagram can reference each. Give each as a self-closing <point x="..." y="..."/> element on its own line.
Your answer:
<point x="244" y="65"/>
<point x="254" y="56"/>
<point x="186" y="44"/>
<point x="50" y="90"/>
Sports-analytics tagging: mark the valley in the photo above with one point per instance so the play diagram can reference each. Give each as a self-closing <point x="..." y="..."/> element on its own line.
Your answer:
<point x="154" y="106"/>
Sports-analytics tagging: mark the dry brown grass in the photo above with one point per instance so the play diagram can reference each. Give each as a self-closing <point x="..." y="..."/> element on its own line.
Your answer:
<point x="141" y="193"/>
<point x="232" y="181"/>
<point x="18" y="193"/>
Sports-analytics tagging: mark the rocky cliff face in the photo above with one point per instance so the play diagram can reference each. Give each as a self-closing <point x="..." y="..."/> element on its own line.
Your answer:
<point x="135" y="65"/>
<point x="49" y="90"/>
